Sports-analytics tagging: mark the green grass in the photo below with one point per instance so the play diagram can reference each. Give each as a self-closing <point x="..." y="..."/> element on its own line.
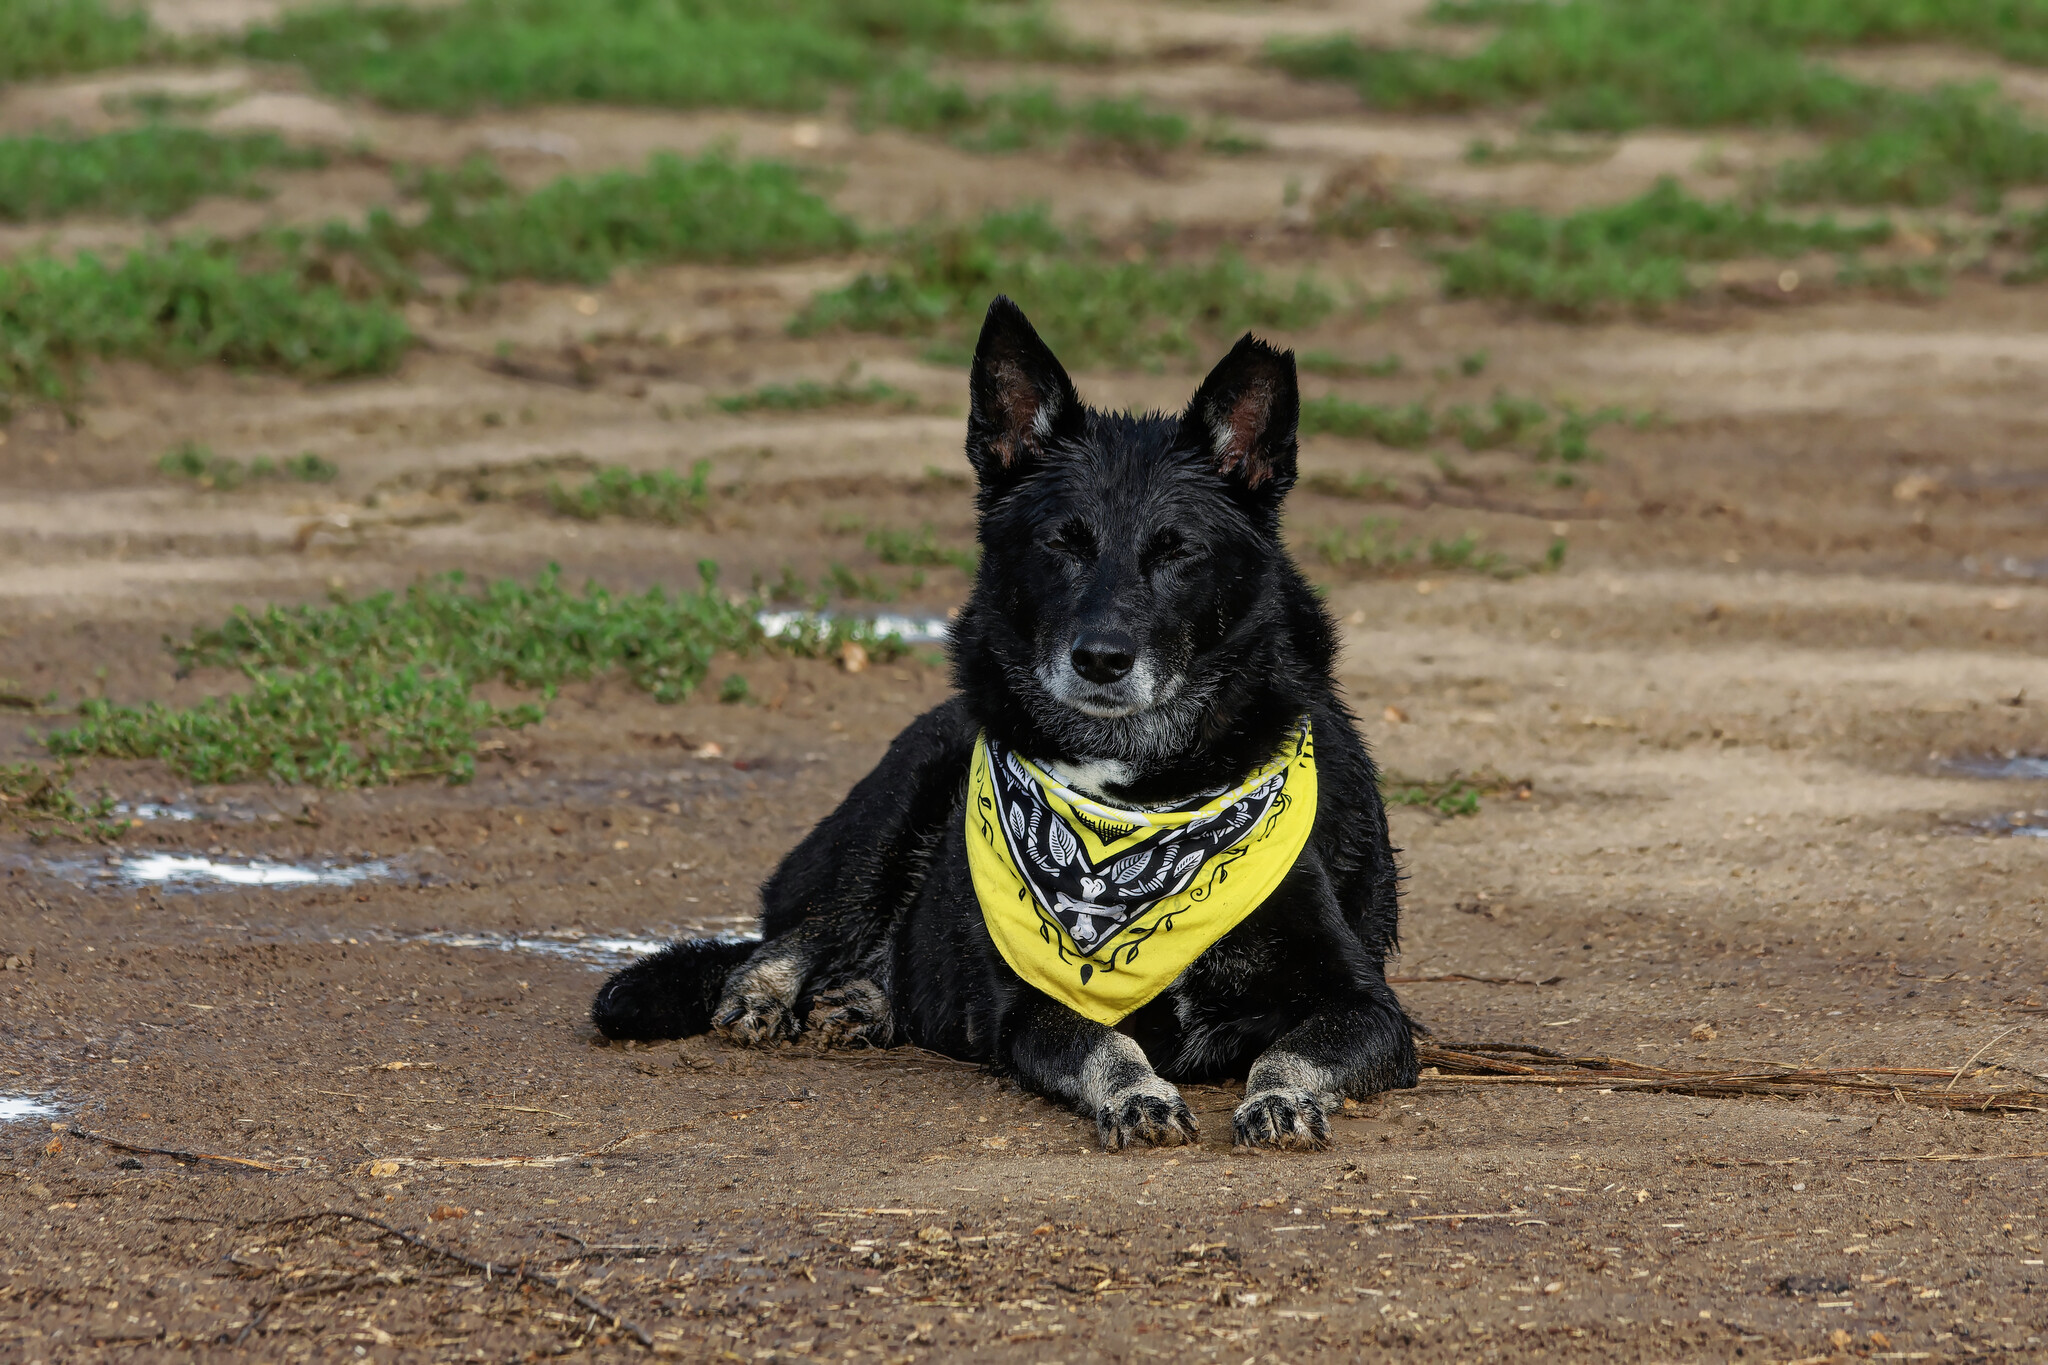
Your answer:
<point x="1636" y="255"/>
<point x="1615" y="65"/>
<point x="709" y="208"/>
<point x="678" y="53"/>
<point x="1454" y="795"/>
<point x="51" y="37"/>
<point x="1091" y="307"/>
<point x="363" y="691"/>
<point x="41" y="801"/>
<point x="192" y="461"/>
<point x="922" y="549"/>
<point x="1015" y="119"/>
<point x="656" y="495"/>
<point x="808" y="395"/>
<point x="1562" y="432"/>
<point x="176" y="305"/>
<point x="150" y="172"/>
<point x="1337" y="367"/>
<point x="1377" y="547"/>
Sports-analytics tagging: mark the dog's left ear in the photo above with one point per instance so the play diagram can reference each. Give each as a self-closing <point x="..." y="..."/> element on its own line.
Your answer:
<point x="1244" y="417"/>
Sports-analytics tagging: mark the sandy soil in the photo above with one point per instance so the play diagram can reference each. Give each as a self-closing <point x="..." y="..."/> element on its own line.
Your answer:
<point x="1796" y="610"/>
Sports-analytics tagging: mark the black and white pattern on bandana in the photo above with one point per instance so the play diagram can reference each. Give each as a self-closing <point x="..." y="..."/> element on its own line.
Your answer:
<point x="1095" y="902"/>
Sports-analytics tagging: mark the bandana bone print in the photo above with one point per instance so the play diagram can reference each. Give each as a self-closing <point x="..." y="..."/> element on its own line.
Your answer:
<point x="1102" y="906"/>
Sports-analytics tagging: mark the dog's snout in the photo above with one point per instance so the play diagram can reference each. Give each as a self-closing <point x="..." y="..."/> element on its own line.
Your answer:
<point x="1103" y="656"/>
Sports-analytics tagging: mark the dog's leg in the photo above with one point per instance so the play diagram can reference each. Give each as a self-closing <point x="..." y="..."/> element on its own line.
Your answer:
<point x="1103" y="1074"/>
<point x="1358" y="1047"/>
<point x="758" y="1008"/>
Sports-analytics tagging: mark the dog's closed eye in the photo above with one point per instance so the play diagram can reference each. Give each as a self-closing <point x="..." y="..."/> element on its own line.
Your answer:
<point x="1074" y="540"/>
<point x="1165" y="548"/>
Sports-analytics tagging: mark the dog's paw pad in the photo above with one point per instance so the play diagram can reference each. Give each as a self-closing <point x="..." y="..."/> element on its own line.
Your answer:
<point x="1153" y="1113"/>
<point x="1281" y="1118"/>
<point x="853" y="1015"/>
<point x="754" y="1020"/>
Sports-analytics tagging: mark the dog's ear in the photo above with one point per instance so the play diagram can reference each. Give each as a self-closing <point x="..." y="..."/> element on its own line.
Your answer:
<point x="1020" y="400"/>
<point x="1244" y="417"/>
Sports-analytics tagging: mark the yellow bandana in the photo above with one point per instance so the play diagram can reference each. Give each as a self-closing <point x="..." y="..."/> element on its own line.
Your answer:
<point x="1100" y="906"/>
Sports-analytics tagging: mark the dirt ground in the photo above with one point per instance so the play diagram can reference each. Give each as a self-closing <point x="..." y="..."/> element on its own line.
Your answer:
<point x="1761" y="709"/>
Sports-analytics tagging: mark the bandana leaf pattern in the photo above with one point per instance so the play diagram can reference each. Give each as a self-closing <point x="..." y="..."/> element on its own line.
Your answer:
<point x="1094" y="903"/>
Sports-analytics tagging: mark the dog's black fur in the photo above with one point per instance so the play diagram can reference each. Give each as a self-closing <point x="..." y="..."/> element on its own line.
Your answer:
<point x="1138" y="623"/>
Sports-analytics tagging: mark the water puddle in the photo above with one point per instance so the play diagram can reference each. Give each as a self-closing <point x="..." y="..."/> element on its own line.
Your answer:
<point x="572" y="945"/>
<point x="2019" y="824"/>
<point x="2011" y="768"/>
<point x="194" y="872"/>
<point x="912" y="630"/>
<point x="17" y="1107"/>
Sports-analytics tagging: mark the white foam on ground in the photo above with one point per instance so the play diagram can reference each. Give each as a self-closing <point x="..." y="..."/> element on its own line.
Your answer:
<point x="912" y="630"/>
<point x="14" y="1107"/>
<point x="192" y="870"/>
<point x="575" y="947"/>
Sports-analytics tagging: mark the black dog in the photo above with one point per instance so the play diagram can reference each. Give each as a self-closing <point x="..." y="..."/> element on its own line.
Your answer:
<point x="1138" y="628"/>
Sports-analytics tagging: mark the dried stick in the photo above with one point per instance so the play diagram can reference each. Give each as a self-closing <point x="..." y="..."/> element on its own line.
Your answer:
<point x="1978" y="1053"/>
<point x="518" y="1272"/>
<point x="173" y="1152"/>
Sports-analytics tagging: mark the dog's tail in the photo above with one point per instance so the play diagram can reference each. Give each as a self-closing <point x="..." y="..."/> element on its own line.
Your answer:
<point x="670" y="994"/>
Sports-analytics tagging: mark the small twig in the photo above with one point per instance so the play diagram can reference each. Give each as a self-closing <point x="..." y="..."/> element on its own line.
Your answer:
<point x="1481" y="980"/>
<point x="1978" y="1053"/>
<point x="489" y="1268"/>
<point x="173" y="1152"/>
<point x="1956" y="1156"/>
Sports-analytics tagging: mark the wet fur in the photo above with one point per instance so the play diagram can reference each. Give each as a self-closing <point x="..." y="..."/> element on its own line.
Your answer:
<point x="1161" y="535"/>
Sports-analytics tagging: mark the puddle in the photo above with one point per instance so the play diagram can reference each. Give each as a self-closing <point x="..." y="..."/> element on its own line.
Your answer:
<point x="14" y="1107"/>
<point x="2019" y="824"/>
<point x="2012" y="566"/>
<point x="2013" y="767"/>
<point x="912" y="630"/>
<point x="572" y="945"/>
<point x="193" y="872"/>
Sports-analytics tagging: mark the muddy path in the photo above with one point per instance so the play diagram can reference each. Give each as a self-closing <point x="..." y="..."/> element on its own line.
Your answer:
<point x="1770" y="745"/>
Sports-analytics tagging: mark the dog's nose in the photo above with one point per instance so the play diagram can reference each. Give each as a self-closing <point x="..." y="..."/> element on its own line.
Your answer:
<point x="1103" y="656"/>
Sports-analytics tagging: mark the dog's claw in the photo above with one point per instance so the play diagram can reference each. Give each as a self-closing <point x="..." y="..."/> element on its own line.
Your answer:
<point x="754" y="1021"/>
<point x="1145" y="1115"/>
<point x="854" y="1015"/>
<point x="1281" y="1118"/>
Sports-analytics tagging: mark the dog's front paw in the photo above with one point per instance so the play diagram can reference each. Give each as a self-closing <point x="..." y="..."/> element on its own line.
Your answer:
<point x="854" y="1015"/>
<point x="1150" y="1111"/>
<point x="1281" y="1118"/>
<point x="749" y="1020"/>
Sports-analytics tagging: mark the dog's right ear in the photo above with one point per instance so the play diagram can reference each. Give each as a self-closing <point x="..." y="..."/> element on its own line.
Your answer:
<point x="1020" y="400"/>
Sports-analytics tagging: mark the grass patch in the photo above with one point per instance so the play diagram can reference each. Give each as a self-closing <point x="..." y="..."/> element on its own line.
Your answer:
<point x="808" y="395"/>
<point x="1092" y="308"/>
<point x="921" y="548"/>
<point x="150" y="172"/>
<point x="40" y="801"/>
<point x="380" y="689"/>
<point x="1028" y="116"/>
<point x="1376" y="547"/>
<point x="1614" y="65"/>
<point x="51" y="37"/>
<point x="1455" y="795"/>
<point x="708" y="208"/>
<point x="181" y="304"/>
<point x="192" y="461"/>
<point x="1562" y="433"/>
<point x="656" y="495"/>
<point x="1636" y="255"/>
<point x="1337" y="367"/>
<point x="676" y="53"/>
